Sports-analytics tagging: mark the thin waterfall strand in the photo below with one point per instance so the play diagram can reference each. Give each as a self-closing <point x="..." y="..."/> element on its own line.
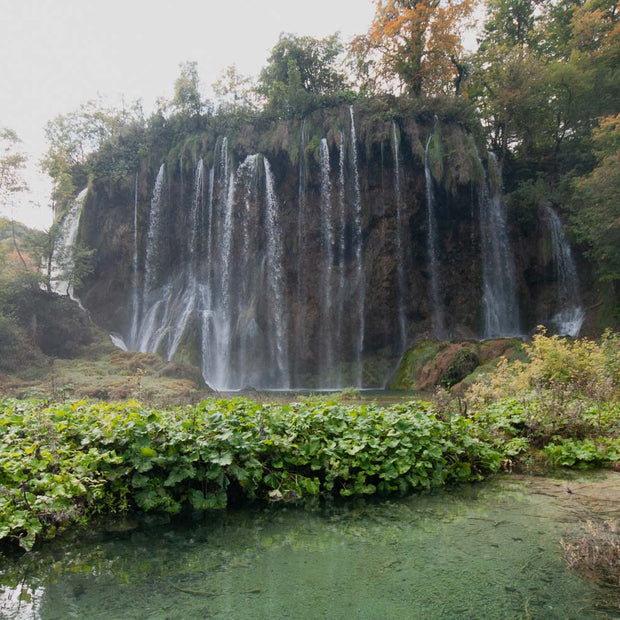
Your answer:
<point x="499" y="297"/>
<point x="437" y="311"/>
<point x="358" y="249"/>
<point x="570" y="316"/>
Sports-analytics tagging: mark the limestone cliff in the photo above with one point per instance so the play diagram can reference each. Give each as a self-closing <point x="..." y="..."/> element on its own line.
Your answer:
<point x="297" y="254"/>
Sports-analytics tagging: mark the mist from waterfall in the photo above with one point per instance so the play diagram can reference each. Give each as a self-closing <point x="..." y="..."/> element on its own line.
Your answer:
<point x="570" y="315"/>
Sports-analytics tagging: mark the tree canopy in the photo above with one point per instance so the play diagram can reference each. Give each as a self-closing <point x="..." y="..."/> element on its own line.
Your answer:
<point x="413" y="46"/>
<point x="299" y="71"/>
<point x="12" y="162"/>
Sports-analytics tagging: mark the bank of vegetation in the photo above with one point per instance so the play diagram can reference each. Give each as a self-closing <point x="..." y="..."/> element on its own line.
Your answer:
<point x="63" y="463"/>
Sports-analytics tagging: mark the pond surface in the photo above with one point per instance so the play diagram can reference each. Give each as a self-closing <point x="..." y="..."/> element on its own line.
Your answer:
<point x="479" y="551"/>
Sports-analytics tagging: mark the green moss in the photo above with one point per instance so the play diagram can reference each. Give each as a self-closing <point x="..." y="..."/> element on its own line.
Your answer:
<point x="435" y="157"/>
<point x="478" y="173"/>
<point x="406" y="375"/>
<point x="462" y="364"/>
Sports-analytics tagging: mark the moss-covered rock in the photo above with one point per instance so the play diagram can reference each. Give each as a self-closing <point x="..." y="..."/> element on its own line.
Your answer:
<point x="448" y="364"/>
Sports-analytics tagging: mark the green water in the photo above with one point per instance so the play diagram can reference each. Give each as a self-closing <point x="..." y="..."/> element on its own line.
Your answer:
<point x="480" y="551"/>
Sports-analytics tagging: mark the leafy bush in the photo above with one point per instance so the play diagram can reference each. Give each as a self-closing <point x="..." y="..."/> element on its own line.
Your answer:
<point x="63" y="463"/>
<point x="589" y="452"/>
<point x="561" y="367"/>
<point x="569" y="388"/>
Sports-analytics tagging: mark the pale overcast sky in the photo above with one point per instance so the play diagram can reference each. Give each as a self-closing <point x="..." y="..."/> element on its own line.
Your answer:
<point x="57" y="54"/>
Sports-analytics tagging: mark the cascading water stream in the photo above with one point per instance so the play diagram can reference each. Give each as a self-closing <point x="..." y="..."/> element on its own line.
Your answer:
<point x="301" y="266"/>
<point x="154" y="232"/>
<point x="62" y="262"/>
<point x="327" y="335"/>
<point x="499" y="296"/>
<point x="152" y="304"/>
<point x="275" y="277"/>
<point x="135" y="294"/>
<point x="184" y="305"/>
<point x="341" y="248"/>
<point x="570" y="316"/>
<point x="400" y="249"/>
<point x="358" y="250"/>
<point x="222" y="303"/>
<point x="437" y="311"/>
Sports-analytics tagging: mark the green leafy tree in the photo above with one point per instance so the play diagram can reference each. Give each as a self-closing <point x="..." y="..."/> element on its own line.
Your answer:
<point x="299" y="72"/>
<point x="509" y="84"/>
<point x="596" y="204"/>
<point x="187" y="99"/>
<point x="538" y="64"/>
<point x="12" y="163"/>
<point x="75" y="138"/>
<point x="234" y="92"/>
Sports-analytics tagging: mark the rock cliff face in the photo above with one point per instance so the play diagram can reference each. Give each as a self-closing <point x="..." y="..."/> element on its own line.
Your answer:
<point x="310" y="253"/>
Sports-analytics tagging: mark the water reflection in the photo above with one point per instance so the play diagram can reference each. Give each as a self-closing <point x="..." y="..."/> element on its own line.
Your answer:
<point x="489" y="550"/>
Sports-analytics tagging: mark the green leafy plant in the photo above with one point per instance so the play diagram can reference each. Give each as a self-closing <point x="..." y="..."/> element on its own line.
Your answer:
<point x="64" y="463"/>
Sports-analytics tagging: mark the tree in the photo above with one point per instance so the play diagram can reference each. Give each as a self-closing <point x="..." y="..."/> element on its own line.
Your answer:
<point x="234" y="91"/>
<point x="413" y="46"/>
<point x="74" y="139"/>
<point x="299" y="71"/>
<point x="12" y="162"/>
<point x="508" y="82"/>
<point x="187" y="99"/>
<point x="538" y="64"/>
<point x="596" y="206"/>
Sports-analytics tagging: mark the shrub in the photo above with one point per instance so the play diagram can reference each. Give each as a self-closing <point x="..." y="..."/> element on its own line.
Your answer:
<point x="63" y="463"/>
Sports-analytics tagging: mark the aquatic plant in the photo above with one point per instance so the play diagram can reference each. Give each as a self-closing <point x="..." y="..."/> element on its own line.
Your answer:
<point x="64" y="463"/>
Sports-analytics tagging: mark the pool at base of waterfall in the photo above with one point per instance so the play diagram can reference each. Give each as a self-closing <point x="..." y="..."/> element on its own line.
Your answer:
<point x="487" y="550"/>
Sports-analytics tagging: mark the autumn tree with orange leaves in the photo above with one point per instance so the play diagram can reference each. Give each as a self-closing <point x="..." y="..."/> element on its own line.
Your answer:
<point x="413" y="47"/>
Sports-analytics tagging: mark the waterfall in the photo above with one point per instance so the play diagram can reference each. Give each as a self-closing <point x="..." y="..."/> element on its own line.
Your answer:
<point x="327" y="335"/>
<point x="259" y="278"/>
<point x="341" y="248"/>
<point x="499" y="295"/>
<point x="275" y="277"/>
<point x="252" y="359"/>
<point x="358" y="250"/>
<point x="400" y="250"/>
<point x="62" y="255"/>
<point x="570" y="316"/>
<point x="437" y="312"/>
<point x="195" y="218"/>
<point x="301" y="290"/>
<point x="135" y="297"/>
<point x="183" y="306"/>
<point x="154" y="233"/>
<point x="222" y="310"/>
<point x="152" y="305"/>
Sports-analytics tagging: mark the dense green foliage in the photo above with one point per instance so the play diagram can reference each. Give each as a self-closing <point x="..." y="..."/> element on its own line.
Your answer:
<point x="62" y="463"/>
